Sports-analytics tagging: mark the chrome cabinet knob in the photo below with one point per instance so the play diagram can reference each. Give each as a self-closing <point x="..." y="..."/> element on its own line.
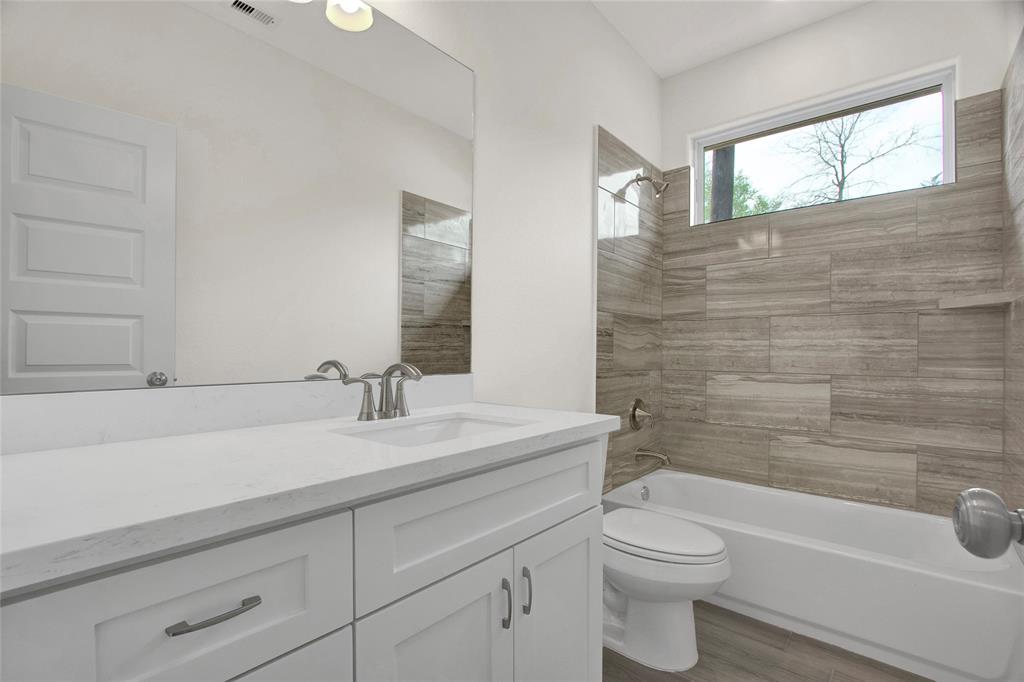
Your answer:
<point x="156" y="379"/>
<point x="983" y="524"/>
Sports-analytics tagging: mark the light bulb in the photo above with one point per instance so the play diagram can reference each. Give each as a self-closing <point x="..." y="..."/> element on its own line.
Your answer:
<point x="349" y="15"/>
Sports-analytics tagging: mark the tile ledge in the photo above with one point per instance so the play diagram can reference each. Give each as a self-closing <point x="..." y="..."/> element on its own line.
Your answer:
<point x="992" y="298"/>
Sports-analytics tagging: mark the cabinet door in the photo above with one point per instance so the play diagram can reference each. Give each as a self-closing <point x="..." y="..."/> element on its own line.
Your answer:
<point x="560" y="637"/>
<point x="328" y="659"/>
<point x="457" y="629"/>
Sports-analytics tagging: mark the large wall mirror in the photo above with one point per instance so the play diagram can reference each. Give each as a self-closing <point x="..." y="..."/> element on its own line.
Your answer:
<point x="228" y="192"/>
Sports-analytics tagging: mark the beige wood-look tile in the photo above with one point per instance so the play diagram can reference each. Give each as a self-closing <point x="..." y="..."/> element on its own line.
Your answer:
<point x="979" y="129"/>
<point x="856" y="223"/>
<point x="970" y="207"/>
<point x="412" y="300"/>
<point x="812" y="655"/>
<point x="853" y="469"/>
<point x="437" y="349"/>
<point x="797" y="285"/>
<point x="962" y="413"/>
<point x="1013" y="480"/>
<point x="605" y="220"/>
<point x="1014" y="395"/>
<point x="798" y="402"/>
<point x="875" y="343"/>
<point x="943" y="472"/>
<point x="722" y="451"/>
<point x="914" y="276"/>
<point x="637" y="234"/>
<point x="605" y="341"/>
<point x="618" y="165"/>
<point x="447" y="224"/>
<point x="636" y="342"/>
<point x="628" y="287"/>
<point x="683" y="294"/>
<point x="739" y="344"/>
<point x="414" y="210"/>
<point x="724" y="242"/>
<point x="961" y="344"/>
<point x="616" y="391"/>
<point x="430" y="261"/>
<point x="683" y="395"/>
<point x="446" y="302"/>
<point x="677" y="194"/>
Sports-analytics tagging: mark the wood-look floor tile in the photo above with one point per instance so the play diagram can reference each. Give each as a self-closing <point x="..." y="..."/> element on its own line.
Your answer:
<point x="683" y="294"/>
<point x="845" y="665"/>
<point x="914" y="276"/>
<point x="943" y="472"/>
<point x="874" y="343"/>
<point x="683" y="395"/>
<point x="797" y="285"/>
<point x="724" y="242"/>
<point x="962" y="413"/>
<point x="636" y="342"/>
<point x="628" y="287"/>
<point x="961" y="344"/>
<point x="857" y="223"/>
<point x="732" y="452"/>
<point x="797" y="402"/>
<point x="853" y="469"/>
<point x="739" y="344"/>
<point x="979" y="129"/>
<point x="967" y="208"/>
<point x="618" y="165"/>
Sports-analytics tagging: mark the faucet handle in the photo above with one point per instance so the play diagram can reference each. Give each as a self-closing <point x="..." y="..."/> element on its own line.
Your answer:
<point x="401" y="406"/>
<point x="371" y="375"/>
<point x="367" y="411"/>
<point x="333" y="364"/>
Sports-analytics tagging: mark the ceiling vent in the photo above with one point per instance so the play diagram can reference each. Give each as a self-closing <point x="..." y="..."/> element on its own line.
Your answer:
<point x="251" y="12"/>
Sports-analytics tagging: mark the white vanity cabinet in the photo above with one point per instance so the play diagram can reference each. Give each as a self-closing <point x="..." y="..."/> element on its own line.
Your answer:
<point x="531" y="612"/>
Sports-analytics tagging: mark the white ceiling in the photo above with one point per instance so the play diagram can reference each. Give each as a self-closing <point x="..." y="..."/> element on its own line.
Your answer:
<point x="678" y="35"/>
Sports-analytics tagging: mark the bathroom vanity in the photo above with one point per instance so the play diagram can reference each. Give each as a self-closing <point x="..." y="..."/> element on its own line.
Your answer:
<point x="460" y="543"/>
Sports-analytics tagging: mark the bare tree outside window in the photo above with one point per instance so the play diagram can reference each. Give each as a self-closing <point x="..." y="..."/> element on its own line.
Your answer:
<point x="891" y="147"/>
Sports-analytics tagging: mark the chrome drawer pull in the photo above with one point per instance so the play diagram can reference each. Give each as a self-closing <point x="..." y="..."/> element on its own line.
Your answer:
<point x="528" y="606"/>
<point x="183" y="628"/>
<point x="506" y="622"/>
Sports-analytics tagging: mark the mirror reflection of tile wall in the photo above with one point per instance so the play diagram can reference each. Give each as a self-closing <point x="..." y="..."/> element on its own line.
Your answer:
<point x="436" y="268"/>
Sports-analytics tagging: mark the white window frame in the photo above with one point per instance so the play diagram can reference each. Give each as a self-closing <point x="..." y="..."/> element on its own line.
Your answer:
<point x="944" y="78"/>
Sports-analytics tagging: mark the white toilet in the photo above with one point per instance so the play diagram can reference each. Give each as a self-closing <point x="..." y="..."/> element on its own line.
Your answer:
<point x="655" y="565"/>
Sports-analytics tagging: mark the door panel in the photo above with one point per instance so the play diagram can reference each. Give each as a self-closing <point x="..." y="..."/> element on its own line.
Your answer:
<point x="560" y="639"/>
<point x="87" y="296"/>
<point x="450" y="631"/>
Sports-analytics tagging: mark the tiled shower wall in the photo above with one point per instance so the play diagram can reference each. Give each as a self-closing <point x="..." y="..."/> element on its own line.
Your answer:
<point x="1013" y="274"/>
<point x="804" y="349"/>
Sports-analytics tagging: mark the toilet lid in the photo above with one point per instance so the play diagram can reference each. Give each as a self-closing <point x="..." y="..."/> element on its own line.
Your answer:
<point x="661" y="537"/>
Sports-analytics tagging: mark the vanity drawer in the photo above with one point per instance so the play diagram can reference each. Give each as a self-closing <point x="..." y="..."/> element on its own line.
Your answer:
<point x="408" y="542"/>
<point x="326" y="660"/>
<point x="296" y="583"/>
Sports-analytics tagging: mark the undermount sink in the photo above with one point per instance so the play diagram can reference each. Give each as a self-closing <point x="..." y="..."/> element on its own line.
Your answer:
<point x="428" y="430"/>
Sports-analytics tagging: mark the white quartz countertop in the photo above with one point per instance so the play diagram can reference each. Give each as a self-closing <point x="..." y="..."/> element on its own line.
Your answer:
<point x="73" y="512"/>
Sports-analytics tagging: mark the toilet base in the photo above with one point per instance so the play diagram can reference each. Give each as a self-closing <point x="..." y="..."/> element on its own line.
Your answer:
<point x="658" y="635"/>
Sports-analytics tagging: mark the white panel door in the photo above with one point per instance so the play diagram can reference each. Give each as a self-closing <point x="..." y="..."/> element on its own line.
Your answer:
<point x="558" y="582"/>
<point x="457" y="629"/>
<point x="87" y="246"/>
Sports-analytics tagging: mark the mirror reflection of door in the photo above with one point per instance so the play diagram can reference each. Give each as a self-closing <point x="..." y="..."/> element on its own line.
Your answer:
<point x="436" y="265"/>
<point x="88" y="237"/>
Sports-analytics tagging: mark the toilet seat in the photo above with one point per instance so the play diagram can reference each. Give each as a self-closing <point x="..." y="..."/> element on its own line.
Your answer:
<point x="660" y="537"/>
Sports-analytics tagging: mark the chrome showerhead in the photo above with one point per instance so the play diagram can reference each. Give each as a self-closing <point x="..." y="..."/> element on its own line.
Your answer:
<point x="659" y="187"/>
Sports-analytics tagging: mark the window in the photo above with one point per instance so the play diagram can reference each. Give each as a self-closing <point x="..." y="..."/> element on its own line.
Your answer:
<point x="888" y="143"/>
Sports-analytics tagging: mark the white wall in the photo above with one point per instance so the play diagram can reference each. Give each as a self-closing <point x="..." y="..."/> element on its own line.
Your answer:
<point x="851" y="51"/>
<point x="546" y="74"/>
<point x="289" y="180"/>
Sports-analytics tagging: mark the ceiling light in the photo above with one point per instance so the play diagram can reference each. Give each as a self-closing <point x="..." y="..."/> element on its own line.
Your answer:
<point x="350" y="15"/>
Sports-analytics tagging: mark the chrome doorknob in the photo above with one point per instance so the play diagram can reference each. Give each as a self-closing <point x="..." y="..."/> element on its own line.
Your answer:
<point x="983" y="524"/>
<point x="156" y="379"/>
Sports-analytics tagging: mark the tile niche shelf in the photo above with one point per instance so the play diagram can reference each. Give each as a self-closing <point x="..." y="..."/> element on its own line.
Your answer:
<point x="992" y="298"/>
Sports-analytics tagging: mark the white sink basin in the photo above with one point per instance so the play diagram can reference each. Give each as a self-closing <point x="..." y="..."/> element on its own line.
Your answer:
<point x="405" y="433"/>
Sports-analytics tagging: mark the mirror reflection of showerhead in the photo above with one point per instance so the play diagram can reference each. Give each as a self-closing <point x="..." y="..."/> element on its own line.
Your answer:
<point x="659" y="187"/>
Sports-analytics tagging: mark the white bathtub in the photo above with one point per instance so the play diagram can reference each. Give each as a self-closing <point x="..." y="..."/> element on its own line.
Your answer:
<point x="889" y="584"/>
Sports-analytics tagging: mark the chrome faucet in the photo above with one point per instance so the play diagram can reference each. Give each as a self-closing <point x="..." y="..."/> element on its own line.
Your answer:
<point x="395" y="405"/>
